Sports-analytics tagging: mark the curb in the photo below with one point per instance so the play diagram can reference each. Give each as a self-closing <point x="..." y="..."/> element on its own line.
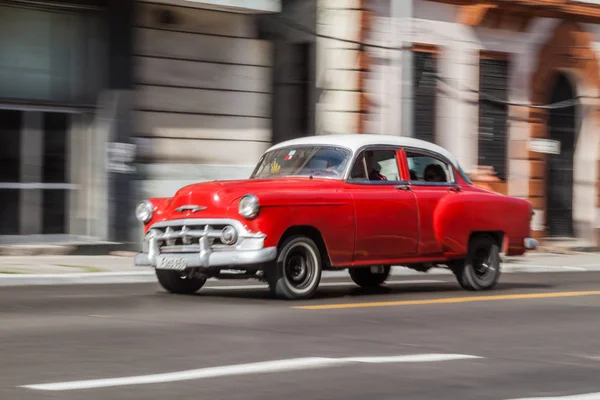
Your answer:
<point x="71" y="249"/>
<point x="566" y="250"/>
<point x="78" y="278"/>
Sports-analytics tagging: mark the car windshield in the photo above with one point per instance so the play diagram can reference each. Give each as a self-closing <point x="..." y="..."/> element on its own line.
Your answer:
<point x="317" y="161"/>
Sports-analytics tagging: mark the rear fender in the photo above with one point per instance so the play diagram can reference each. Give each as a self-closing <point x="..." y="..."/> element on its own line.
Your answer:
<point x="456" y="218"/>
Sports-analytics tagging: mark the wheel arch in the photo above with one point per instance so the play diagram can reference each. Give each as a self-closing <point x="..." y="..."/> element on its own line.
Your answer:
<point x="312" y="233"/>
<point x="499" y="237"/>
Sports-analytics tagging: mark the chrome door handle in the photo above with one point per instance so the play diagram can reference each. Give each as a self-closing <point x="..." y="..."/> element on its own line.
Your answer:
<point x="403" y="187"/>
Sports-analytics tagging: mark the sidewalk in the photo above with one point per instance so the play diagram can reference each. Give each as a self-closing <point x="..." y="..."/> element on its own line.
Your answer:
<point x="63" y="264"/>
<point x="57" y="269"/>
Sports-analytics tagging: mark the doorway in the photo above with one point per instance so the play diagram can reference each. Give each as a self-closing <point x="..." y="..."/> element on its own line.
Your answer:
<point x="562" y="127"/>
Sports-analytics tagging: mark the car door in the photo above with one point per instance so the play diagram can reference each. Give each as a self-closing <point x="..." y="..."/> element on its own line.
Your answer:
<point x="431" y="178"/>
<point x="386" y="215"/>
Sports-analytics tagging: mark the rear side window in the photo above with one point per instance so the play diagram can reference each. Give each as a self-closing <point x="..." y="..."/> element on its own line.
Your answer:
<point x="425" y="168"/>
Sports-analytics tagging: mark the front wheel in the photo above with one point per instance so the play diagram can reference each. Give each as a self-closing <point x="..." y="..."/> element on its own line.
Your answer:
<point x="369" y="277"/>
<point x="174" y="282"/>
<point x="296" y="273"/>
<point x="481" y="269"/>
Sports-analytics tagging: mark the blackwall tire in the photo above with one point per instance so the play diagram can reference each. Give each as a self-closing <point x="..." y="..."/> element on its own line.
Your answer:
<point x="296" y="273"/>
<point x="173" y="282"/>
<point x="364" y="277"/>
<point x="481" y="269"/>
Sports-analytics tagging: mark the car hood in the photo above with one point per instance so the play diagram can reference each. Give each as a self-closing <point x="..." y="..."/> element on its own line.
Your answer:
<point x="216" y="197"/>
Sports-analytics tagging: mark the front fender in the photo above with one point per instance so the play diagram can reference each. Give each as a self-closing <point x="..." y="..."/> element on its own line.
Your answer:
<point x="333" y="217"/>
<point x="160" y="205"/>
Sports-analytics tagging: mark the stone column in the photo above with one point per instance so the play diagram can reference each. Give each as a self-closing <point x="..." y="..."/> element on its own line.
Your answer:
<point x="458" y="105"/>
<point x="338" y="67"/>
<point x="32" y="159"/>
<point x="121" y="198"/>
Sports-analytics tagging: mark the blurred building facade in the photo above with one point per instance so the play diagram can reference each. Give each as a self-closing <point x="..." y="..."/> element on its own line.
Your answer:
<point x="60" y="62"/>
<point x="105" y="102"/>
<point x="216" y="86"/>
<point x="476" y="77"/>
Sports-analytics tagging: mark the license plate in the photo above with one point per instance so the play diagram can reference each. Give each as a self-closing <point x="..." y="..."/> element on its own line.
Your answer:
<point x="172" y="263"/>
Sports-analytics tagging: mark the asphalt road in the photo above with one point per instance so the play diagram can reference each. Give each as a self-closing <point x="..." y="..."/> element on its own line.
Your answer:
<point x="538" y="335"/>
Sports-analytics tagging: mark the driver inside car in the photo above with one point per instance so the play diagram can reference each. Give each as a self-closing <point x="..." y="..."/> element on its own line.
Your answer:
<point x="434" y="173"/>
<point x="374" y="174"/>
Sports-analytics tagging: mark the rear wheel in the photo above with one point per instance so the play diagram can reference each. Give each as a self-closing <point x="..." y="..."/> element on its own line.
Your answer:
<point x="296" y="273"/>
<point x="174" y="282"/>
<point x="481" y="269"/>
<point x="369" y="277"/>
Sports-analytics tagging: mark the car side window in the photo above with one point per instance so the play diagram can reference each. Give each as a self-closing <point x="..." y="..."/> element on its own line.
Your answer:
<point x="381" y="165"/>
<point x="425" y="168"/>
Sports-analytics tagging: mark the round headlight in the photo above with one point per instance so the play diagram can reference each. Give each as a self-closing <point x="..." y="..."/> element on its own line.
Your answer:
<point x="228" y="235"/>
<point x="144" y="211"/>
<point x="249" y="206"/>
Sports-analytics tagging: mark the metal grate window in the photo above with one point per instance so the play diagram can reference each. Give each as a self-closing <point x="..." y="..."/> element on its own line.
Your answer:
<point x="424" y="89"/>
<point x="492" y="140"/>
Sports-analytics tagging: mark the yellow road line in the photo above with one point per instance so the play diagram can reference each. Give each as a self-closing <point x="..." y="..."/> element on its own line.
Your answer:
<point x="449" y="300"/>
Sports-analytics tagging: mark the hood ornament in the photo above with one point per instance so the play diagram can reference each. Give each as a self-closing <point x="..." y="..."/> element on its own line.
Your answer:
<point x="190" y="207"/>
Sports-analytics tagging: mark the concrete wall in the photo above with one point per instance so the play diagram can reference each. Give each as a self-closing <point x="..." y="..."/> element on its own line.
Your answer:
<point x="203" y="99"/>
<point x="338" y="66"/>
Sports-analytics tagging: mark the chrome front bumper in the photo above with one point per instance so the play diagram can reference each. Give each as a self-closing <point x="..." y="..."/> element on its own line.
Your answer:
<point x="530" y="243"/>
<point x="248" y="250"/>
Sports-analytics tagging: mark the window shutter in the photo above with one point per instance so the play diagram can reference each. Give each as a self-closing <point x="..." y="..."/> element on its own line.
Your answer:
<point x="492" y="138"/>
<point x="424" y="89"/>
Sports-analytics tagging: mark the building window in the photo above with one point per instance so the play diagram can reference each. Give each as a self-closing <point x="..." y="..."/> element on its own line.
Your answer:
<point x="50" y="54"/>
<point x="10" y="171"/>
<point x="301" y="79"/>
<point x="424" y="92"/>
<point x="34" y="174"/>
<point x="493" y="115"/>
<point x="292" y="108"/>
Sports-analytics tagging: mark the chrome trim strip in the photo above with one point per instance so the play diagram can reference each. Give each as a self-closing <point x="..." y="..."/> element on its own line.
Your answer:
<point x="217" y="259"/>
<point x="190" y="207"/>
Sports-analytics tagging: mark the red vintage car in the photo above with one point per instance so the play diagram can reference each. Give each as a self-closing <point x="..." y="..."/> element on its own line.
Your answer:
<point x="361" y="202"/>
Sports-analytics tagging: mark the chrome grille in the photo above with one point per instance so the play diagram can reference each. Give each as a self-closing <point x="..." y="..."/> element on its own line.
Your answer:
<point x="186" y="238"/>
<point x="200" y="236"/>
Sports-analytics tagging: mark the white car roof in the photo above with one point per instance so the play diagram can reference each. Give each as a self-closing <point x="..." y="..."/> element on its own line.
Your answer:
<point x="355" y="141"/>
